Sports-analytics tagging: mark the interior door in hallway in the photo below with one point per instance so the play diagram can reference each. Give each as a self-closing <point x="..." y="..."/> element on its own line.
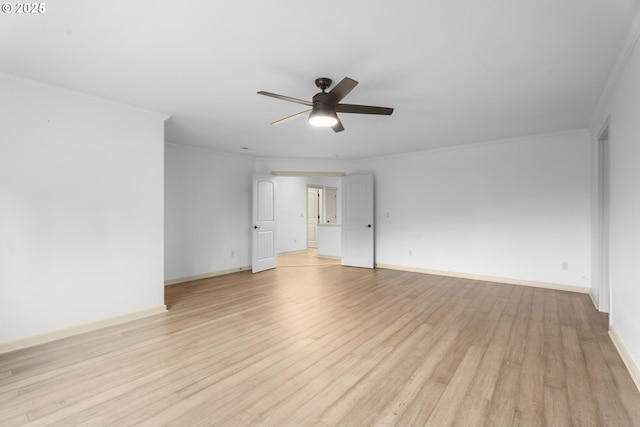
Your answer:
<point x="314" y="215"/>
<point x="331" y="205"/>
<point x="357" y="221"/>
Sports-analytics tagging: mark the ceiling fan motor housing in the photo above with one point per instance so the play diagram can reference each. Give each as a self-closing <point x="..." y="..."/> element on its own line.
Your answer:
<point x="319" y="101"/>
<point x="323" y="83"/>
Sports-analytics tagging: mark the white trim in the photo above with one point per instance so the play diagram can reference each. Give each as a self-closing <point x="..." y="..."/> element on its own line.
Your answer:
<point x="478" y="143"/>
<point x="593" y="300"/>
<point x="23" y="80"/>
<point x="295" y="251"/>
<point x="308" y="173"/>
<point x="330" y="256"/>
<point x="508" y="281"/>
<point x="80" y="328"/>
<point x="209" y="150"/>
<point x="602" y="218"/>
<point x="619" y="64"/>
<point x="206" y="275"/>
<point x="633" y="369"/>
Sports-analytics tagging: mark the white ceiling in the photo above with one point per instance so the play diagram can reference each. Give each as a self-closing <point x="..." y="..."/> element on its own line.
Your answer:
<point x="456" y="71"/>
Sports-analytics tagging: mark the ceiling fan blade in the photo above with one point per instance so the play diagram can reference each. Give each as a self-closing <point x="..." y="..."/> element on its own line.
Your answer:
<point x="286" y="98"/>
<point x="340" y="90"/>
<point x="288" y="119"/>
<point x="338" y="127"/>
<point x="363" y="109"/>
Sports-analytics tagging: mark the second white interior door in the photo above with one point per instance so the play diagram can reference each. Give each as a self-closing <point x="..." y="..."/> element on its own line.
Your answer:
<point x="314" y="215"/>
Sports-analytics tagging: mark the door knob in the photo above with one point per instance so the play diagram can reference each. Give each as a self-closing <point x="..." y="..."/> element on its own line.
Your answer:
<point x="368" y="225"/>
<point x="255" y="227"/>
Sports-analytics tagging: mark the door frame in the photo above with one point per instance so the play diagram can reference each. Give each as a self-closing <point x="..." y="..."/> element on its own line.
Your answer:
<point x="604" y="219"/>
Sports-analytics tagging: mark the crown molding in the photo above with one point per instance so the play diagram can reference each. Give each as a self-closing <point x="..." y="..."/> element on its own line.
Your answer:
<point x="602" y="107"/>
<point x="72" y="92"/>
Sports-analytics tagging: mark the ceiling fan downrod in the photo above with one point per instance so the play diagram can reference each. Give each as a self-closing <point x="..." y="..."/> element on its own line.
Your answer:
<point x="323" y="83"/>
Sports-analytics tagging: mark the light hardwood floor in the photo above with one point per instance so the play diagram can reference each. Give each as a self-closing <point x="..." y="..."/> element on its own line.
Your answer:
<point x="312" y="343"/>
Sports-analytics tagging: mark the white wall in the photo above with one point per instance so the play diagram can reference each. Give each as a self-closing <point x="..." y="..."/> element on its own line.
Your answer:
<point x="208" y="208"/>
<point x="621" y="106"/>
<point x="514" y="209"/>
<point x="207" y="212"/>
<point x="81" y="209"/>
<point x="517" y="209"/>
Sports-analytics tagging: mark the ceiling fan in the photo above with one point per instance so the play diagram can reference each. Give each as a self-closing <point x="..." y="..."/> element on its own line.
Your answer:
<point x="325" y="105"/>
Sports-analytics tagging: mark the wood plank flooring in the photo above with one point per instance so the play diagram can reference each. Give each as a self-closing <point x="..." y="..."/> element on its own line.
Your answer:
<point x="313" y="343"/>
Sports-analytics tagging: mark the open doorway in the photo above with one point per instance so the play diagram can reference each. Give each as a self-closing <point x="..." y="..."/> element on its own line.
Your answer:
<point x="294" y="220"/>
<point x="322" y="209"/>
<point x="297" y="212"/>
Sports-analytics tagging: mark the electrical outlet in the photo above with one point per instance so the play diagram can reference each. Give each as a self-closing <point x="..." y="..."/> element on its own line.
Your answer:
<point x="233" y="253"/>
<point x="565" y="265"/>
<point x="410" y="253"/>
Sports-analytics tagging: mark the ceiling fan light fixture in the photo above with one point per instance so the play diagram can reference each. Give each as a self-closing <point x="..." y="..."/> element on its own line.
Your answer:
<point x="323" y="117"/>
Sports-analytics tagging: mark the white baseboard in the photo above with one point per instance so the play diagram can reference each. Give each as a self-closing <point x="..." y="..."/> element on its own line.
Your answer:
<point x="206" y="275"/>
<point x="625" y="355"/>
<point x="297" y="251"/>
<point x="508" y="281"/>
<point x="593" y="300"/>
<point x="57" y="334"/>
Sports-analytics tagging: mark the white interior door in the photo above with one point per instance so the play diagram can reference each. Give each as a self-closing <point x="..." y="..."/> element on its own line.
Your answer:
<point x="313" y="217"/>
<point x="357" y="221"/>
<point x="263" y="249"/>
<point x="331" y="205"/>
